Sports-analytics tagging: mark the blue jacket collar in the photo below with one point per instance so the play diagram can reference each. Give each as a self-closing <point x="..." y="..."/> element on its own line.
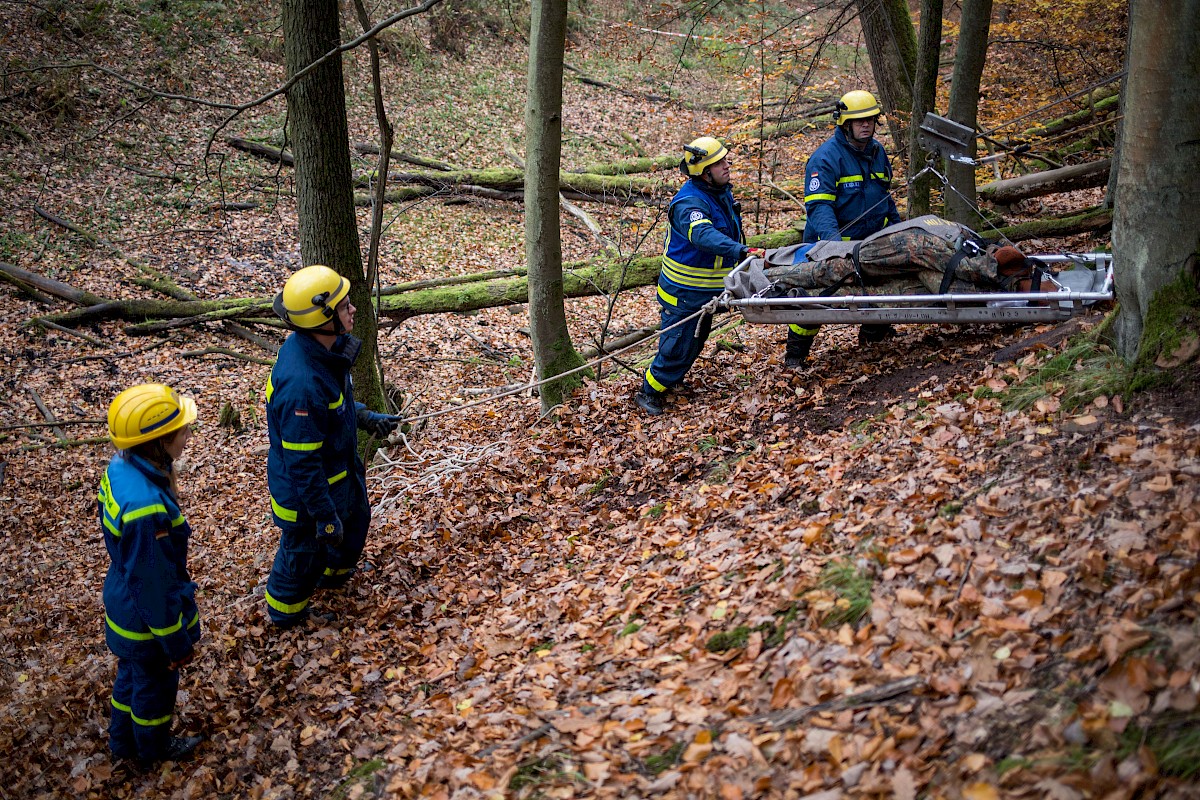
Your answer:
<point x="343" y="355"/>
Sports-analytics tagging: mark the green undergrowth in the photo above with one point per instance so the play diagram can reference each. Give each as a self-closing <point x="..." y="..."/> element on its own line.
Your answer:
<point x="361" y="775"/>
<point x="1088" y="366"/>
<point x="852" y="587"/>
<point x="1174" y="739"/>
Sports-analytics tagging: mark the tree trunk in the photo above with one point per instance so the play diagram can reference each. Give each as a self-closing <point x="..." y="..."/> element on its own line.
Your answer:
<point x="929" y="54"/>
<point x="1038" y="184"/>
<point x="324" y="186"/>
<point x="553" y="353"/>
<point x="964" y="104"/>
<point x="892" y="47"/>
<point x="1155" y="233"/>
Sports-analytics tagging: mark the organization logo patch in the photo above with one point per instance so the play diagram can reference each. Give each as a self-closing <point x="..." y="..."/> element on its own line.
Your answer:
<point x="814" y="184"/>
<point x="695" y="216"/>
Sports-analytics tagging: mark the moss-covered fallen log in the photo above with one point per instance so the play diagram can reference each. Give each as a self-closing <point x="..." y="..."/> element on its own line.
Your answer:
<point x="1039" y="184"/>
<point x="580" y="279"/>
<point x="1097" y="218"/>
<point x="513" y="179"/>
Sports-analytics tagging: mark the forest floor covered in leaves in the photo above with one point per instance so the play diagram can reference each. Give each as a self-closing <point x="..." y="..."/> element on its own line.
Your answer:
<point x="870" y="578"/>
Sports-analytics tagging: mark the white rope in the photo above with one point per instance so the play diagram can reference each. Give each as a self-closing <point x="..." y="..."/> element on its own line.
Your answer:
<point x="708" y="308"/>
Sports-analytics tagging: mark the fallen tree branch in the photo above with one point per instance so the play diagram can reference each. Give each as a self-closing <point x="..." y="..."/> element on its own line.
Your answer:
<point x="225" y="351"/>
<point x="54" y="424"/>
<point x="787" y="718"/>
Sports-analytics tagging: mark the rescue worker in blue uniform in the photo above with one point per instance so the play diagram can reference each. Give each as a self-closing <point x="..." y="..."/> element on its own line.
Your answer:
<point x="704" y="242"/>
<point x="151" y="622"/>
<point x="847" y="195"/>
<point x="314" y="473"/>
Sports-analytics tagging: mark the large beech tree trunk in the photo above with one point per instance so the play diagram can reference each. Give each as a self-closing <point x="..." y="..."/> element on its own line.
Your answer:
<point x="892" y="47"/>
<point x="324" y="186"/>
<point x="929" y="53"/>
<point x="964" y="104"/>
<point x="553" y="353"/>
<point x="1156" y="236"/>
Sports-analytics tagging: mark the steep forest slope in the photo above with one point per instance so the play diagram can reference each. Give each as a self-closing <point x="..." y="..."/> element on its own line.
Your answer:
<point x="914" y="569"/>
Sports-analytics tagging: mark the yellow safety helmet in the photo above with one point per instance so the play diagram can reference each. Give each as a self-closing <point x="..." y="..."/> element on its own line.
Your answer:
<point x="701" y="153"/>
<point x="856" y="105"/>
<point x="310" y="297"/>
<point x="147" y="411"/>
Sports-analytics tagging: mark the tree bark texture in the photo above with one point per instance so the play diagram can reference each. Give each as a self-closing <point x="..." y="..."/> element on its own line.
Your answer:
<point x="929" y="53"/>
<point x="553" y="353"/>
<point x="892" y="47"/>
<point x="969" y="57"/>
<point x="1156" y="232"/>
<point x="324" y="186"/>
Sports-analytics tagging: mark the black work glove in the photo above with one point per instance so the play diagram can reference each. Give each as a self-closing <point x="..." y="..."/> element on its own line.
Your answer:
<point x="378" y="425"/>
<point x="330" y="531"/>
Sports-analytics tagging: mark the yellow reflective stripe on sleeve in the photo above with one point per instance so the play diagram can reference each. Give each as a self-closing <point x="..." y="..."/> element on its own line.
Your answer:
<point x="134" y="635"/>
<point x="667" y="298"/>
<point x="672" y="265"/>
<point x="802" y="331"/>
<point x="883" y="176"/>
<point x="111" y="528"/>
<point x="694" y="224"/>
<point x="105" y="497"/>
<point x="285" y="608"/>
<point x="303" y="446"/>
<point x="338" y="477"/>
<point x="809" y="198"/>
<point x="654" y="383"/>
<point x="285" y="514"/>
<point x="175" y="523"/>
<point x="195" y="620"/>
<point x="849" y="179"/>
<point x="270" y="388"/>
<point x="333" y="573"/>
<point x="178" y="626"/>
<point x="341" y="399"/>
<point x="144" y="511"/>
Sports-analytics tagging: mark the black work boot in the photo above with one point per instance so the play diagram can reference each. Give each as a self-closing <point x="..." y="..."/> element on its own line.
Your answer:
<point x="871" y="334"/>
<point x="178" y="749"/>
<point x="649" y="401"/>
<point x="798" y="348"/>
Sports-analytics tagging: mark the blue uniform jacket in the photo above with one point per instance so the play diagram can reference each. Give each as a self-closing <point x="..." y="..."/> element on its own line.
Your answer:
<point x="149" y="598"/>
<point x="842" y="184"/>
<point x="704" y="238"/>
<point x="313" y="468"/>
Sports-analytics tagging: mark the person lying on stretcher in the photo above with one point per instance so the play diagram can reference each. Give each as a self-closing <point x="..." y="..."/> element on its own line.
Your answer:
<point x="927" y="255"/>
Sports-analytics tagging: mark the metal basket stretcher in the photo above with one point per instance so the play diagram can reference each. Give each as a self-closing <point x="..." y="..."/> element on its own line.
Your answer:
<point x="1090" y="280"/>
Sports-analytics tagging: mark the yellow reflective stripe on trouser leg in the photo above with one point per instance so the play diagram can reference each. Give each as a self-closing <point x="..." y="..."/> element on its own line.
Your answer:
<point x="654" y="383"/>
<point x="285" y="608"/>
<point x="331" y="572"/>
<point x="800" y="330"/>
<point x="146" y="723"/>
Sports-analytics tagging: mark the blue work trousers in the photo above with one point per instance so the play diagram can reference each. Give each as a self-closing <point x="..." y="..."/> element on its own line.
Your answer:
<point x="679" y="347"/>
<point x="303" y="563"/>
<point x="143" y="702"/>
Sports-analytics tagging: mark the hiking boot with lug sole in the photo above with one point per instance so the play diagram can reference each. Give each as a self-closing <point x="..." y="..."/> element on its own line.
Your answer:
<point x="652" y="404"/>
